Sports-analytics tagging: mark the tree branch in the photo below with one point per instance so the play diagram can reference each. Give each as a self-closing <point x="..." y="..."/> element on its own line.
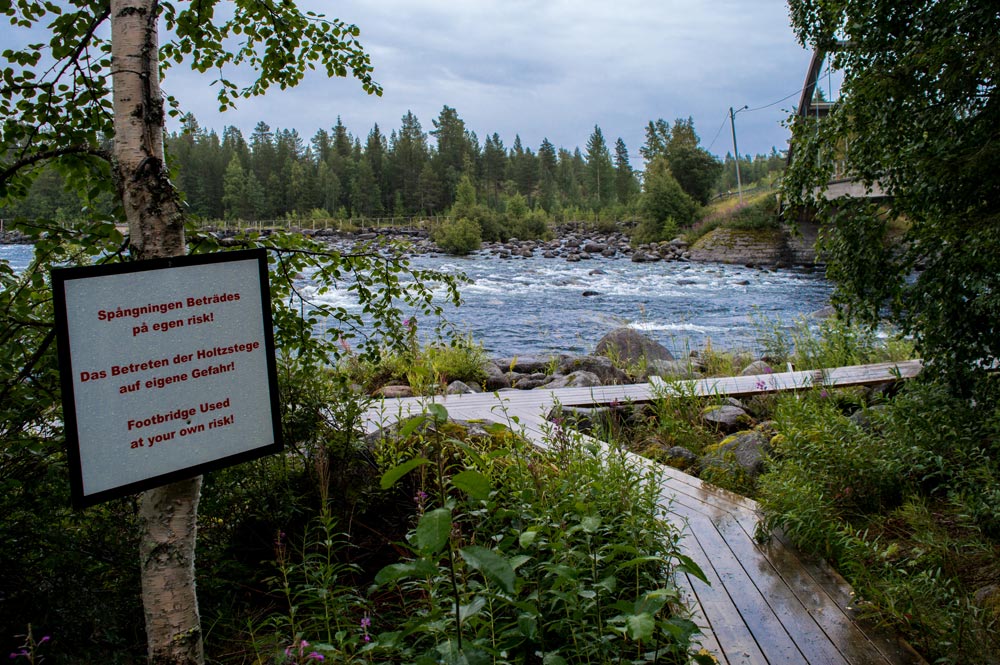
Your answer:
<point x="41" y="156"/>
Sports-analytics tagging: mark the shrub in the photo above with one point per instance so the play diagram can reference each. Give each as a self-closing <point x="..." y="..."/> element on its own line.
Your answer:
<point x="463" y="360"/>
<point x="459" y="237"/>
<point x="663" y="198"/>
<point x="905" y="508"/>
<point x="532" y="226"/>
<point x="519" y="555"/>
<point x="832" y="342"/>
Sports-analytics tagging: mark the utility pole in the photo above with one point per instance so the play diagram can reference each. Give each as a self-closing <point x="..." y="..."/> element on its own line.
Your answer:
<point x="736" y="151"/>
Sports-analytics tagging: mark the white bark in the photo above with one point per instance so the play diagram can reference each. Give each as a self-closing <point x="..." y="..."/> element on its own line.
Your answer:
<point x="168" y="515"/>
<point x="156" y="225"/>
<point x="169" y="520"/>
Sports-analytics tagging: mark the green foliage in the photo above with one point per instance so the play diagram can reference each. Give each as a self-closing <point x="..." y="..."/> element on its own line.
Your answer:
<point x="577" y="568"/>
<point x="924" y="130"/>
<point x="650" y="230"/>
<point x="757" y="214"/>
<point x="428" y="369"/>
<point x="695" y="169"/>
<point x="663" y="199"/>
<point x="905" y="507"/>
<point x="459" y="236"/>
<point x="830" y="342"/>
<point x="319" y="413"/>
<point x="533" y="225"/>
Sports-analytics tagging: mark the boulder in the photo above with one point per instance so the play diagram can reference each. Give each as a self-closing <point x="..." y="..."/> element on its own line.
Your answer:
<point x="988" y="598"/>
<point x="827" y="312"/>
<point x="495" y="378"/>
<point x="459" y="388"/>
<point x="679" y="458"/>
<point x="532" y="382"/>
<point x="629" y="346"/>
<point x="579" y="379"/>
<point x="726" y="417"/>
<point x="531" y="364"/>
<point x="599" y="365"/>
<point x="674" y="369"/>
<point x="585" y="419"/>
<point x="393" y="392"/>
<point x="747" y="449"/>
<point x="863" y="417"/>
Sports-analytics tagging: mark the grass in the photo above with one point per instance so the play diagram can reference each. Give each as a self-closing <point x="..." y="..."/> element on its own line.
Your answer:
<point x="756" y="212"/>
<point x="898" y="489"/>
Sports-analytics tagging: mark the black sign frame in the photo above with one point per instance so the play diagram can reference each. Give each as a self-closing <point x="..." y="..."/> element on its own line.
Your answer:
<point x="60" y="276"/>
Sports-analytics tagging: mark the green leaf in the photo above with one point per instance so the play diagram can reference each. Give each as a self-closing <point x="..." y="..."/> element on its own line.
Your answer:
<point x="471" y="609"/>
<point x="471" y="452"/>
<point x="472" y="483"/>
<point x="528" y="625"/>
<point x="519" y="560"/>
<point x="390" y="477"/>
<point x="590" y="523"/>
<point x="687" y="565"/>
<point x="493" y="566"/>
<point x="438" y="412"/>
<point x="411" y="425"/>
<point x="398" y="571"/>
<point x="640" y="626"/>
<point x="433" y="530"/>
<point x="527" y="538"/>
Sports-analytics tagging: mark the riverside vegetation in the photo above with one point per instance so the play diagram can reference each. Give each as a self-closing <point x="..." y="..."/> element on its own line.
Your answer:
<point x="896" y="486"/>
<point x="899" y="489"/>
<point x="486" y="551"/>
<point x="442" y="538"/>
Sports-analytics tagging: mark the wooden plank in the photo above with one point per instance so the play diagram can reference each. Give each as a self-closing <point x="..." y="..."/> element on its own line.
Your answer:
<point x="747" y="609"/>
<point x="730" y="633"/>
<point x="743" y="386"/>
<point x="892" y="649"/>
<point x="766" y="603"/>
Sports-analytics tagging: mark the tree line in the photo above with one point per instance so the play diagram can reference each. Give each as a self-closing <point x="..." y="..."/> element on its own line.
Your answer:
<point x="277" y="173"/>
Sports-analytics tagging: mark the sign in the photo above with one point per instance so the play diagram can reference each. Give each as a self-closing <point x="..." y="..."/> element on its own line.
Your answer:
<point x="167" y="370"/>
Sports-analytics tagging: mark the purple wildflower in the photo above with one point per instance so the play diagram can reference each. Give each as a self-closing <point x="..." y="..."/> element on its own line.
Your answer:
<point x="823" y="393"/>
<point x="366" y="622"/>
<point x="316" y="656"/>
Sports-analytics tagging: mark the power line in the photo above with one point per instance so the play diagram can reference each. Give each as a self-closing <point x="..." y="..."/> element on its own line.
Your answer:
<point x="724" y="118"/>
<point x="828" y="75"/>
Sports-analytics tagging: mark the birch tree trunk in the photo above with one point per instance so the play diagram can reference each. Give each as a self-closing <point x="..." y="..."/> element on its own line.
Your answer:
<point x="168" y="516"/>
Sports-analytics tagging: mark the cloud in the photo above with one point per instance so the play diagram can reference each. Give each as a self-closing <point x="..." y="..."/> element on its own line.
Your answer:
<point x="549" y="69"/>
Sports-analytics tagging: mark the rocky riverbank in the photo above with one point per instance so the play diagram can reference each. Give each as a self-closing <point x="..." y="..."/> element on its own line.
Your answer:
<point x="14" y="238"/>
<point x="573" y="242"/>
<point x="623" y="356"/>
<point x="736" y="435"/>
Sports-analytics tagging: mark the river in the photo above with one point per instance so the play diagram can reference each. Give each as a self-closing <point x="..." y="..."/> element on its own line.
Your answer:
<point x="536" y="305"/>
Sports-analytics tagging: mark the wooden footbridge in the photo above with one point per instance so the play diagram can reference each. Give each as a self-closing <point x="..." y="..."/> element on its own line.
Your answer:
<point x="766" y="603"/>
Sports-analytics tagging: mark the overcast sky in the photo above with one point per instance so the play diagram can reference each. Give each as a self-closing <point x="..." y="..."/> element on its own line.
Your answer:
<point x="545" y="69"/>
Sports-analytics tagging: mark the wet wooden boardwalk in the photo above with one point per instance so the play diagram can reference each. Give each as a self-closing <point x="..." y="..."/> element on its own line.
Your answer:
<point x="766" y="603"/>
